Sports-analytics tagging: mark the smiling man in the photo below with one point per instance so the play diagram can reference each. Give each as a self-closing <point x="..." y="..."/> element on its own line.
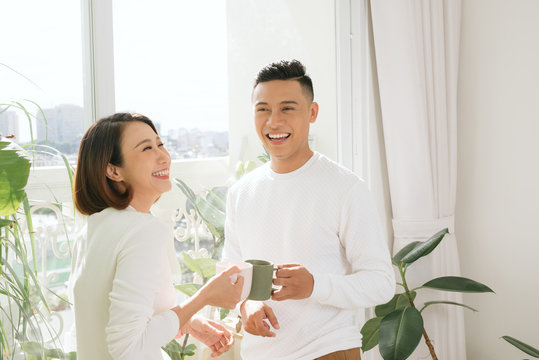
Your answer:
<point x="313" y="218"/>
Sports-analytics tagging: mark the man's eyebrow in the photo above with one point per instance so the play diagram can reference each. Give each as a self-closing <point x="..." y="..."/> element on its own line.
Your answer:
<point x="261" y="103"/>
<point x="289" y="102"/>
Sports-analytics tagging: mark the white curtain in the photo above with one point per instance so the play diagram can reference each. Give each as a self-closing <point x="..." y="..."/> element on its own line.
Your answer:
<point x="416" y="44"/>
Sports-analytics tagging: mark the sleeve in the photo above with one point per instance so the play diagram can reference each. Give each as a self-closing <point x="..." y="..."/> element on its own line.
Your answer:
<point x="133" y="330"/>
<point x="231" y="250"/>
<point x="372" y="279"/>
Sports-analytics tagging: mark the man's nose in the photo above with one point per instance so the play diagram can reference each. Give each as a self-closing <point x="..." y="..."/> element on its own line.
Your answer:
<point x="274" y="119"/>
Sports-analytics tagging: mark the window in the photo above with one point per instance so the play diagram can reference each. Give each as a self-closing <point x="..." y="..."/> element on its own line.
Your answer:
<point x="42" y="63"/>
<point x="170" y="63"/>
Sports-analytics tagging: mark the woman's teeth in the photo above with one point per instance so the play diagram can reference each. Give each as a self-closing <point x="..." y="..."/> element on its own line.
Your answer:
<point x="160" y="173"/>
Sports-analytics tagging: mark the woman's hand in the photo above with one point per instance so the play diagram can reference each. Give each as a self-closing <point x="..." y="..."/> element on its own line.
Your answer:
<point x="212" y="334"/>
<point x="221" y="291"/>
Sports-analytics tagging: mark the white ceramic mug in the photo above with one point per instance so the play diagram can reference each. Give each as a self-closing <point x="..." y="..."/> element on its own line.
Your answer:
<point x="246" y="272"/>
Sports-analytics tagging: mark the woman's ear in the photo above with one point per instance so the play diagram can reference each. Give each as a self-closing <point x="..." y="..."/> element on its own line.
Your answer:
<point x="113" y="174"/>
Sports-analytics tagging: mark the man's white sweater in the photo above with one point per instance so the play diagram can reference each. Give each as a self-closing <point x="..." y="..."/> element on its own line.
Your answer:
<point x="321" y="216"/>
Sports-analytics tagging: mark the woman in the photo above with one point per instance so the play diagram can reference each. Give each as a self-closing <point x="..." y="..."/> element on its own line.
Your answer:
<point x="121" y="278"/>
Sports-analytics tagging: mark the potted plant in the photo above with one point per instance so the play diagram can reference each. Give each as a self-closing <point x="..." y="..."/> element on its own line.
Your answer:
<point x="23" y="300"/>
<point x="398" y="325"/>
<point x="24" y="310"/>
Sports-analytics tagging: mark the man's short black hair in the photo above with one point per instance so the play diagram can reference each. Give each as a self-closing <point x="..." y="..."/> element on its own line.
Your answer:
<point x="287" y="70"/>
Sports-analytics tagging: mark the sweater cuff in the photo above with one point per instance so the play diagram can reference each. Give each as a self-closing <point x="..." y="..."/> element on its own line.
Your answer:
<point x="322" y="287"/>
<point x="173" y="321"/>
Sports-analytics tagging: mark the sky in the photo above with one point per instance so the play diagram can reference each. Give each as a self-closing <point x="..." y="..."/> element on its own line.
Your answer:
<point x="170" y="58"/>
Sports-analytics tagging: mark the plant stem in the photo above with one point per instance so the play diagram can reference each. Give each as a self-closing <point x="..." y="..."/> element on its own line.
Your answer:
<point x="184" y="345"/>
<point x="429" y="345"/>
<point x="402" y="271"/>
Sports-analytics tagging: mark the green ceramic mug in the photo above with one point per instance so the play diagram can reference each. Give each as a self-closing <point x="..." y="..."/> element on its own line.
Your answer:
<point x="261" y="285"/>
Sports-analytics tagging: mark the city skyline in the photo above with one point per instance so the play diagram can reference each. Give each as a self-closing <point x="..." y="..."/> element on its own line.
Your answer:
<point x="64" y="128"/>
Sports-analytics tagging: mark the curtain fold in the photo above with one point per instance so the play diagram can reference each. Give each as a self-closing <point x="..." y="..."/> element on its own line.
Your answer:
<point x="416" y="44"/>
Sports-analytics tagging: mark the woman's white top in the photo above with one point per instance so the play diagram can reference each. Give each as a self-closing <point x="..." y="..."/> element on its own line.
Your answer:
<point x="122" y="287"/>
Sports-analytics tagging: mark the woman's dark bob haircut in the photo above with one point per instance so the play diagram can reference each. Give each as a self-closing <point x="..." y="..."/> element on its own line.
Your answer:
<point x="101" y="145"/>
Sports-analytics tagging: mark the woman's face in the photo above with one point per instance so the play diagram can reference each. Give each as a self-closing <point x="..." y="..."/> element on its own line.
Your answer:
<point x="146" y="165"/>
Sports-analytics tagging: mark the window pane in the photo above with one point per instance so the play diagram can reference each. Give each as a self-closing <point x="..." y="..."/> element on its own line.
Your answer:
<point x="42" y="42"/>
<point x="171" y="65"/>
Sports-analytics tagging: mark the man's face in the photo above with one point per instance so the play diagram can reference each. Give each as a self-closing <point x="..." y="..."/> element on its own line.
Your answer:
<point x="282" y="118"/>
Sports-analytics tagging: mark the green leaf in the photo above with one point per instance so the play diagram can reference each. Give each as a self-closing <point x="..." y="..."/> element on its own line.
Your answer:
<point x="456" y="283"/>
<point x="36" y="350"/>
<point x="400" y="333"/>
<point x="207" y="266"/>
<point x="217" y="197"/>
<point x="5" y="222"/>
<point x="192" y="264"/>
<point x="185" y="189"/>
<point x="265" y="157"/>
<point x="204" y="267"/>
<point x="173" y="349"/>
<point x="429" y="303"/>
<point x="397" y="259"/>
<point x="530" y="350"/>
<point x="223" y="313"/>
<point x="14" y="173"/>
<point x="370" y="331"/>
<point x="212" y="216"/>
<point x="420" y="249"/>
<point x="211" y="213"/>
<point x="399" y="301"/>
<point x="188" y="289"/>
<point x="190" y="350"/>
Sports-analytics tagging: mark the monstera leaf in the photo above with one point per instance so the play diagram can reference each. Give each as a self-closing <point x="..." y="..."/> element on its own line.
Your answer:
<point x="14" y="172"/>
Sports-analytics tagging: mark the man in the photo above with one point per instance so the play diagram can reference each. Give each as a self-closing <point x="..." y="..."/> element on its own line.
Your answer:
<point x="316" y="220"/>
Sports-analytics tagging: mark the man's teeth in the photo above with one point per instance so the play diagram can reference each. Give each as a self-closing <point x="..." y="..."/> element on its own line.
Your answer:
<point x="277" y="136"/>
<point x="160" y="173"/>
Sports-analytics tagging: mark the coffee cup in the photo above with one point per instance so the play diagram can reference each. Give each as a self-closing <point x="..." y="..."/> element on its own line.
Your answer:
<point x="262" y="279"/>
<point x="246" y="272"/>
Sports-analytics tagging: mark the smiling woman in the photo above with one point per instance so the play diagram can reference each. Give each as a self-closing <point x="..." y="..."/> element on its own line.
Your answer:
<point x="121" y="281"/>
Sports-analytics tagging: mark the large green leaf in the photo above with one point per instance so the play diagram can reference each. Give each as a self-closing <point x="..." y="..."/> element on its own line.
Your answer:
<point x="530" y="350"/>
<point x="370" y="331"/>
<point x="399" y="301"/>
<point x="185" y="189"/>
<point x="456" y="283"/>
<point x="192" y="264"/>
<point x="207" y="266"/>
<point x="208" y="209"/>
<point x="14" y="172"/>
<point x="217" y="197"/>
<point x="212" y="216"/>
<point x="410" y="254"/>
<point x="204" y="267"/>
<point x="188" y="289"/>
<point x="400" y="333"/>
<point x="397" y="259"/>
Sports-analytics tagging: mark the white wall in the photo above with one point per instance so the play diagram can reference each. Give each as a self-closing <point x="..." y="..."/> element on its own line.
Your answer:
<point x="497" y="213"/>
<point x="261" y="32"/>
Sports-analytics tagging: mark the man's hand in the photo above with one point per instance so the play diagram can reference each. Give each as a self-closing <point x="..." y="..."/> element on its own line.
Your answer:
<point x="210" y="333"/>
<point x="253" y="314"/>
<point x="295" y="280"/>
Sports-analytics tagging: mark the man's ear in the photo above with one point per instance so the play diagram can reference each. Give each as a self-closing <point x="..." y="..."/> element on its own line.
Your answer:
<point x="113" y="174"/>
<point x="314" y="112"/>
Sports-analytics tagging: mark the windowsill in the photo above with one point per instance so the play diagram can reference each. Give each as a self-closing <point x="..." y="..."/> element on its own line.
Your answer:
<point x="51" y="183"/>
